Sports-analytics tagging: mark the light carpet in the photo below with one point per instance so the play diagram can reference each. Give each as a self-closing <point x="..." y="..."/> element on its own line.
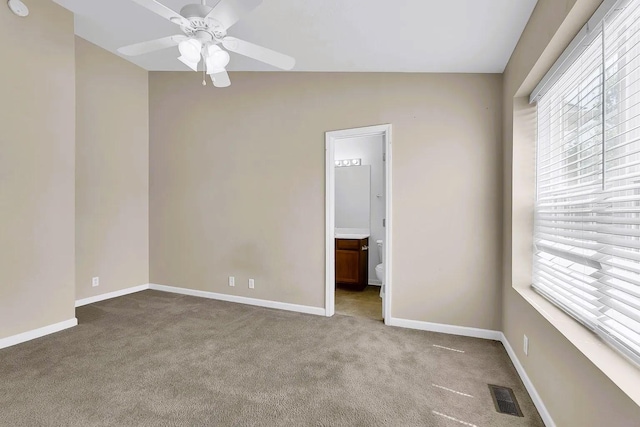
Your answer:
<point x="159" y="359"/>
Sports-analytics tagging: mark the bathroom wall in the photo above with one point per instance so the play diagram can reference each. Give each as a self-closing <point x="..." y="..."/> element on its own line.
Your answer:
<point x="370" y="150"/>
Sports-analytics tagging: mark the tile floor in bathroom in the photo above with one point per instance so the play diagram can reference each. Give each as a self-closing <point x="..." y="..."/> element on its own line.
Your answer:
<point x="366" y="303"/>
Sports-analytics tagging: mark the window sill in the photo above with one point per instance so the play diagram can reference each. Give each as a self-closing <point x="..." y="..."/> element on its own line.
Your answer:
<point x="623" y="372"/>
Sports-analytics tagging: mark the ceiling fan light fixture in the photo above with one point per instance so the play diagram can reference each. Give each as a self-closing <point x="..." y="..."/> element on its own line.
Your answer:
<point x="190" y="49"/>
<point x="212" y="69"/>
<point x="217" y="62"/>
<point x="212" y="48"/>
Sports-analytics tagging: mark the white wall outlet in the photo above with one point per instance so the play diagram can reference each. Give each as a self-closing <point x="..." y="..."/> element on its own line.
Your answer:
<point x="525" y="345"/>
<point x="232" y="281"/>
<point x="252" y="284"/>
<point x="95" y="282"/>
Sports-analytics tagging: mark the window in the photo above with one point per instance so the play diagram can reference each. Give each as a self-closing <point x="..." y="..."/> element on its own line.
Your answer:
<point x="587" y="219"/>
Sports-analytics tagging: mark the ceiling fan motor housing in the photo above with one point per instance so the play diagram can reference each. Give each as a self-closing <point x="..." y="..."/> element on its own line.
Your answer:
<point x="203" y="36"/>
<point x="195" y="11"/>
<point x="201" y="28"/>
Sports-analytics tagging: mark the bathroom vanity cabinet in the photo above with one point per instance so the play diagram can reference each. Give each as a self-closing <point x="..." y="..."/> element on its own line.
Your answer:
<point x="352" y="263"/>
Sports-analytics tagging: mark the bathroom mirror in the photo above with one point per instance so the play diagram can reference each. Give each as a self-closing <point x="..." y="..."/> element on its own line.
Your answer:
<point x="353" y="197"/>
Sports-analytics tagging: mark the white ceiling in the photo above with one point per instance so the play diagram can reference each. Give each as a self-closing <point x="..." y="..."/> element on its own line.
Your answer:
<point x="458" y="36"/>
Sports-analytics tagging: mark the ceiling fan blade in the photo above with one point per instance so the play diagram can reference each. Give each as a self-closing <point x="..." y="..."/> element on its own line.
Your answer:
<point x="260" y="53"/>
<point x="164" y="11"/>
<point x="221" y="79"/>
<point x="151" y="45"/>
<point x="228" y="12"/>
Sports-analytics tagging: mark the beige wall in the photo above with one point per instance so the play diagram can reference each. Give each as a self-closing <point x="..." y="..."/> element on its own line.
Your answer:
<point x="112" y="172"/>
<point x="37" y="103"/>
<point x="237" y="185"/>
<point x="574" y="390"/>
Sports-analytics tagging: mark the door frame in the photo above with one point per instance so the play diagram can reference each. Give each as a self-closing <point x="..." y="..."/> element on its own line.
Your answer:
<point x="331" y="138"/>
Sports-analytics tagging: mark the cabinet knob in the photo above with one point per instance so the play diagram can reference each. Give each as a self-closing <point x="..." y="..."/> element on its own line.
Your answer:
<point x="364" y="248"/>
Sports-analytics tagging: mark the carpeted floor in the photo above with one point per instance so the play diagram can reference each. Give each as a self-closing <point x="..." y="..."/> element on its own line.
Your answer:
<point x="159" y="359"/>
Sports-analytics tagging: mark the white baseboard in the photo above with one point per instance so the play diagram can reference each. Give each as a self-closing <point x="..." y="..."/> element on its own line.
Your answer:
<point x="446" y="329"/>
<point x="535" y="397"/>
<point x="37" y="333"/>
<point x="486" y="334"/>
<point x="109" y="295"/>
<point x="241" y="300"/>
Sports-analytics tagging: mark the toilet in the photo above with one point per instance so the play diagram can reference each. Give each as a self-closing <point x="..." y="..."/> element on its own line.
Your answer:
<point x="380" y="267"/>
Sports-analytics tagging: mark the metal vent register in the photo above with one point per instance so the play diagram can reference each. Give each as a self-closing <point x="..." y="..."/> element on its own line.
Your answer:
<point x="505" y="401"/>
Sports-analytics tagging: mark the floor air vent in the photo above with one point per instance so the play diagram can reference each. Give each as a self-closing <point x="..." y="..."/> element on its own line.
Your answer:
<point x="505" y="400"/>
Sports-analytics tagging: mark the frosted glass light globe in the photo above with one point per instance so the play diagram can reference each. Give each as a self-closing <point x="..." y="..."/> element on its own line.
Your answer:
<point x="191" y="49"/>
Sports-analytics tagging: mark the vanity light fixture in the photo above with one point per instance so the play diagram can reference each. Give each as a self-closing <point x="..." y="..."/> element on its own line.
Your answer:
<point x="348" y="162"/>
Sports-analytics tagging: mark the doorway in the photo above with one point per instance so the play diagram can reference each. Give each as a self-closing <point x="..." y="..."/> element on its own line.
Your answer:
<point x="355" y="240"/>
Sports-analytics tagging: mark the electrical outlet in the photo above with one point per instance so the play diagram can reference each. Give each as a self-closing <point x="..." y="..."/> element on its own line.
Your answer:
<point x="232" y="281"/>
<point x="95" y="282"/>
<point x="252" y="284"/>
<point x="525" y="345"/>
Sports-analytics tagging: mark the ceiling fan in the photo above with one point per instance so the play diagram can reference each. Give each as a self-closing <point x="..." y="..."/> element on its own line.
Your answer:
<point x="205" y="29"/>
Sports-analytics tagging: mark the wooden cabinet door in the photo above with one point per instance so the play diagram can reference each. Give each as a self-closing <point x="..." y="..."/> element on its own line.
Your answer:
<point x="347" y="266"/>
<point x="352" y="259"/>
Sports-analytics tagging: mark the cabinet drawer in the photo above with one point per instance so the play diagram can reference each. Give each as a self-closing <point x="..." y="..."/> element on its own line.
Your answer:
<point x="348" y="244"/>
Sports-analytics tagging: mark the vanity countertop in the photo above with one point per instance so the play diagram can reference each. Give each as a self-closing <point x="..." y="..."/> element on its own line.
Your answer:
<point x="351" y="236"/>
<point x="351" y="233"/>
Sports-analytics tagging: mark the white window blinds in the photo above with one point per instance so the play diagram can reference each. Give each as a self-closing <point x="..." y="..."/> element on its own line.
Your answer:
<point x="587" y="223"/>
